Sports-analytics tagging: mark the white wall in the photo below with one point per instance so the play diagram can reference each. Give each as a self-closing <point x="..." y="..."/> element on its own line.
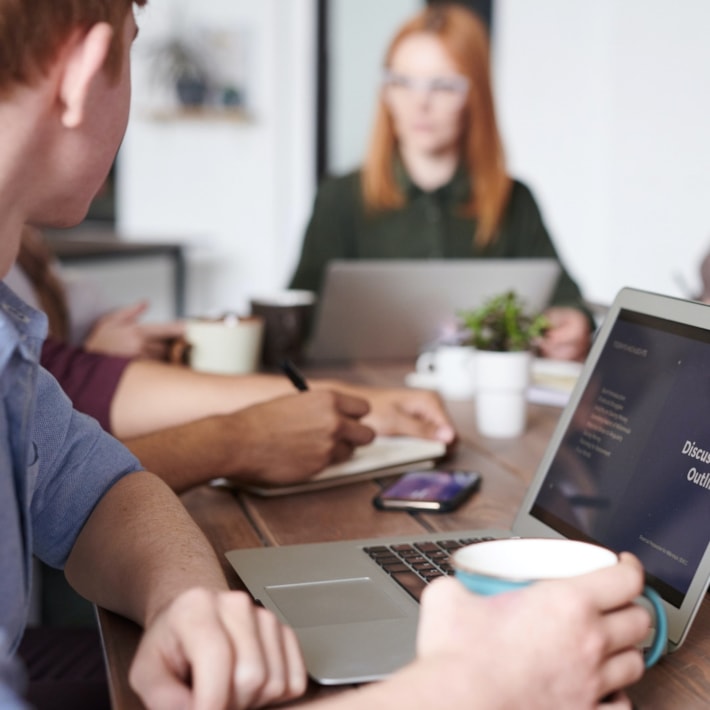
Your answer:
<point x="239" y="191"/>
<point x="358" y="33"/>
<point x="602" y="105"/>
<point x="604" y="109"/>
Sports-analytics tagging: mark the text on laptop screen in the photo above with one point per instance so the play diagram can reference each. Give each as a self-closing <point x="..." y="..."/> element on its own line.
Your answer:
<point x="633" y="469"/>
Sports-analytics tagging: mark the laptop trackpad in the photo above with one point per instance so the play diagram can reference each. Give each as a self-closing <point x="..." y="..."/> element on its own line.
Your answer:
<point x="341" y="601"/>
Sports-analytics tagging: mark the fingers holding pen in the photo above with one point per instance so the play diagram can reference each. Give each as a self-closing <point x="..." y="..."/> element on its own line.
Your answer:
<point x="348" y="431"/>
<point x="352" y="409"/>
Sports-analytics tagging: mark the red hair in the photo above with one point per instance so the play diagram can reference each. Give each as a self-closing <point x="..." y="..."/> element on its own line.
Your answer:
<point x="466" y="40"/>
<point x="32" y="31"/>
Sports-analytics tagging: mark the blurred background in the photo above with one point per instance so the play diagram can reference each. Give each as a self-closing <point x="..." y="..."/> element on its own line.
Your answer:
<point x="603" y="108"/>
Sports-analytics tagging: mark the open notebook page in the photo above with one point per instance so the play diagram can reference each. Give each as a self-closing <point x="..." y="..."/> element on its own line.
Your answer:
<point x="384" y="456"/>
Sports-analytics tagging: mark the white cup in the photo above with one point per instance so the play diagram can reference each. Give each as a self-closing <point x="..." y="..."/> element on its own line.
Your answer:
<point x="453" y="370"/>
<point x="229" y="346"/>
<point x="501" y="393"/>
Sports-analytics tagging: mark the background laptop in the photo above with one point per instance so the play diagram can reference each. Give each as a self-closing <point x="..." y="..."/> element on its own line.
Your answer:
<point x="392" y="309"/>
<point x="626" y="467"/>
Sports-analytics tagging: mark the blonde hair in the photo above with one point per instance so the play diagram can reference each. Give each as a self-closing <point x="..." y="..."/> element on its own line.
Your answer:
<point x="465" y="38"/>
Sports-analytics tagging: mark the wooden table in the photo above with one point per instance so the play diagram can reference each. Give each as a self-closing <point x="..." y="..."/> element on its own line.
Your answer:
<point x="681" y="680"/>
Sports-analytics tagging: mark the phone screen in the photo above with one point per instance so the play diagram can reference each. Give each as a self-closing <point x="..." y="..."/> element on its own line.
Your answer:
<point x="434" y="490"/>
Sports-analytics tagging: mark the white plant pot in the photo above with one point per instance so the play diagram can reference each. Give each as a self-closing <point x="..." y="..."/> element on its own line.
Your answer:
<point x="502" y="379"/>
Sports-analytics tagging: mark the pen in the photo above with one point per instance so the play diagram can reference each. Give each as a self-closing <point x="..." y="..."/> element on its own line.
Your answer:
<point x="297" y="379"/>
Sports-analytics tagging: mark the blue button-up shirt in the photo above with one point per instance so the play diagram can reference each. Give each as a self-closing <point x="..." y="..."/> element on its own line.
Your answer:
<point x="55" y="464"/>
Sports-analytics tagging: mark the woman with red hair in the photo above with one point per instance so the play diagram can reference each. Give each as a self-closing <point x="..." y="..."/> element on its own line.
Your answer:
<point x="434" y="182"/>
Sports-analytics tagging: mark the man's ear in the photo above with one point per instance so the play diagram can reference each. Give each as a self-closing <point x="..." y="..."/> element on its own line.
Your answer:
<point x="85" y="59"/>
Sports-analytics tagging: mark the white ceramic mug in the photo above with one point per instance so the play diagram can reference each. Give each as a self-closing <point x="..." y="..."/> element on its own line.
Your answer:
<point x="453" y="370"/>
<point x="498" y="566"/>
<point x="227" y="346"/>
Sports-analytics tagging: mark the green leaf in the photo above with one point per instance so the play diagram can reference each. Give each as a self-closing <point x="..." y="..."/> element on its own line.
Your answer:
<point x="501" y="324"/>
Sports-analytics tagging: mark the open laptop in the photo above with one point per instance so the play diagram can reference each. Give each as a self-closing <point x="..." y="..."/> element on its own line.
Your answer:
<point x="628" y="466"/>
<point x="392" y="309"/>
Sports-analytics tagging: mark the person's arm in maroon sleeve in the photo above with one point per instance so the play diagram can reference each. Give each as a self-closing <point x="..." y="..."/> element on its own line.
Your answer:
<point x="90" y="380"/>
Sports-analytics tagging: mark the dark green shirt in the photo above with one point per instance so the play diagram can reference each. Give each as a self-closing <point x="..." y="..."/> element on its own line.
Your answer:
<point x="429" y="226"/>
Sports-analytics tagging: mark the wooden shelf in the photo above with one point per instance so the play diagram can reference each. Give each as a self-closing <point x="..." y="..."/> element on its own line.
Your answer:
<point x="201" y="113"/>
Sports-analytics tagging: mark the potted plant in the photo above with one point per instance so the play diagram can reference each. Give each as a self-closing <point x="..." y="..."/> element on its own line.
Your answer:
<point x="182" y="65"/>
<point x="502" y="325"/>
<point x="504" y="336"/>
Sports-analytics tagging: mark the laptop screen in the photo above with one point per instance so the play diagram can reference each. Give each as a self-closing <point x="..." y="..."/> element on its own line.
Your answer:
<point x="633" y="468"/>
<point x="392" y="309"/>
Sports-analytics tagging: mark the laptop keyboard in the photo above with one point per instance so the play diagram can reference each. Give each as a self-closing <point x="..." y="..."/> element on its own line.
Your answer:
<point x="414" y="565"/>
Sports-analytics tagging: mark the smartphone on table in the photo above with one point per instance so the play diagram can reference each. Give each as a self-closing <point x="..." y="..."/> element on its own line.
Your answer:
<point x="434" y="491"/>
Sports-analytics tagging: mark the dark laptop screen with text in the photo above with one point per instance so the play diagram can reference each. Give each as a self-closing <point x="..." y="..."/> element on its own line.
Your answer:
<point x="633" y="469"/>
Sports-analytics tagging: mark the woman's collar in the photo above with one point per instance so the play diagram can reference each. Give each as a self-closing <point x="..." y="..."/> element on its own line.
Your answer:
<point x="455" y="190"/>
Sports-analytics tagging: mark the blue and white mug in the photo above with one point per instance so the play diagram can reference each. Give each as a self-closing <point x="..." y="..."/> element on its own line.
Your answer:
<point x="497" y="566"/>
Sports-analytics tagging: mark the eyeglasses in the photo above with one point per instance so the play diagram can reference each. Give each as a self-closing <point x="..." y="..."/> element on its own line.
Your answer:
<point x="446" y="90"/>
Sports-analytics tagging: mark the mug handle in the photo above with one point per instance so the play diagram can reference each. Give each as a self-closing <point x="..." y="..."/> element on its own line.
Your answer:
<point x="426" y="362"/>
<point x="660" y="639"/>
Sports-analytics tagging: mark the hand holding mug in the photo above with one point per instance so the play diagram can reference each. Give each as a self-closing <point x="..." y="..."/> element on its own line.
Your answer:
<point x="497" y="566"/>
<point x="560" y="644"/>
